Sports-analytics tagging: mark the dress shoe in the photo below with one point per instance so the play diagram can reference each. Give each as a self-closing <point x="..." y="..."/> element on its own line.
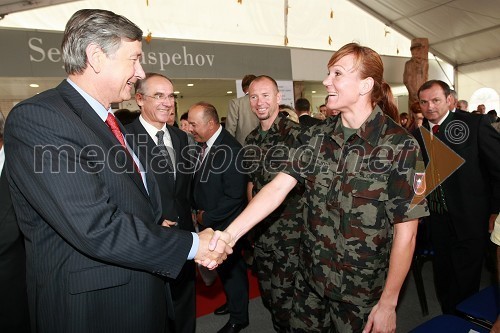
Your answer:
<point x="221" y="310"/>
<point x="232" y="328"/>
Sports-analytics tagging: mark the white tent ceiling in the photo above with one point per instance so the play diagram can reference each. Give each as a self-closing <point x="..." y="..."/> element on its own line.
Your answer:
<point x="459" y="31"/>
<point x="12" y="6"/>
<point x="325" y="25"/>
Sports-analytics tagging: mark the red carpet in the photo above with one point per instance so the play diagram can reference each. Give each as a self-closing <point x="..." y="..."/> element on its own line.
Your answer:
<point x="210" y="298"/>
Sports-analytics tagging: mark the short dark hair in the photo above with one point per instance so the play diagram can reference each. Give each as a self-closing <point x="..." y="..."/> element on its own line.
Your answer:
<point x="184" y="116"/>
<point x="430" y="83"/>
<point x="302" y="104"/>
<point x="247" y="79"/>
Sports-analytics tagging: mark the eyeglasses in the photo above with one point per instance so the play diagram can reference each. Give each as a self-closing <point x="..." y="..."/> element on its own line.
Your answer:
<point x="161" y="97"/>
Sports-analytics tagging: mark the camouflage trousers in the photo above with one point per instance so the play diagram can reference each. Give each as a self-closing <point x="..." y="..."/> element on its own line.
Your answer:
<point x="315" y="313"/>
<point x="276" y="271"/>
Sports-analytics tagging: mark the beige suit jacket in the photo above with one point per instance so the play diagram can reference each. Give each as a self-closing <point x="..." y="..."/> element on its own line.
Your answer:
<point x="240" y="118"/>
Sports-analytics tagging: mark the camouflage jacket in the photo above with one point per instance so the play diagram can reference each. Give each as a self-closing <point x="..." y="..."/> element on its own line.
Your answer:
<point x="265" y="156"/>
<point x="354" y="192"/>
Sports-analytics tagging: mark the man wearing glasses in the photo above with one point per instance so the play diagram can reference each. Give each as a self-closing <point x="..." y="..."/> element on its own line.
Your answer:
<point x="163" y="145"/>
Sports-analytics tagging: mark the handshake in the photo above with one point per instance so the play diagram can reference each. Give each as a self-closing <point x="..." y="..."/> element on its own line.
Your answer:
<point x="214" y="247"/>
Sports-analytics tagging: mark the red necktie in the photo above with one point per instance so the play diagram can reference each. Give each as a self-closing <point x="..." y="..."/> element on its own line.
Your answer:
<point x="115" y="129"/>
<point x="435" y="129"/>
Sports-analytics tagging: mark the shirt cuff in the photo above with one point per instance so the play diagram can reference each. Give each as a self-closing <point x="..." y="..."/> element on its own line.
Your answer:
<point x="194" y="247"/>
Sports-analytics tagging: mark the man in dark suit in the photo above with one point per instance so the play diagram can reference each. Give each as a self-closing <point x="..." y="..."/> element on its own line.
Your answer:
<point x="14" y="317"/>
<point x="219" y="196"/>
<point x="465" y="202"/>
<point x="155" y="96"/>
<point x="90" y="214"/>
<point x="302" y="108"/>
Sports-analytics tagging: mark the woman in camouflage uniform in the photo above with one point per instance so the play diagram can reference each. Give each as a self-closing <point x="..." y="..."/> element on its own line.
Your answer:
<point x="361" y="171"/>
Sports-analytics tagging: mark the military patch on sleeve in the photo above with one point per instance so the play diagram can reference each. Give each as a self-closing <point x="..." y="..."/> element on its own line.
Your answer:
<point x="419" y="183"/>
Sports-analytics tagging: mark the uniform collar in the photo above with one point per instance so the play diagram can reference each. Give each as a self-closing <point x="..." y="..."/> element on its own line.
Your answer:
<point x="369" y="130"/>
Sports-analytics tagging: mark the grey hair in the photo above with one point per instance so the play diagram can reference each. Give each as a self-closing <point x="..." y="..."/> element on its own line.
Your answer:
<point x="463" y="101"/>
<point x="101" y="27"/>
<point x="140" y="85"/>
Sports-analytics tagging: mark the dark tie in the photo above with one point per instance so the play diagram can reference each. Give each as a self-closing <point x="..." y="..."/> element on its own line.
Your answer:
<point x="203" y="146"/>
<point x="115" y="129"/>
<point x="435" y="129"/>
<point x="201" y="152"/>
<point x="164" y="151"/>
<point x="436" y="200"/>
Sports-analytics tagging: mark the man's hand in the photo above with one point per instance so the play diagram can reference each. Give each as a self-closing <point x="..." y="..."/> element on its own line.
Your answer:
<point x="168" y="223"/>
<point x="382" y="319"/>
<point x="214" y="256"/>
<point x="491" y="225"/>
<point x="199" y="217"/>
<point x="223" y="236"/>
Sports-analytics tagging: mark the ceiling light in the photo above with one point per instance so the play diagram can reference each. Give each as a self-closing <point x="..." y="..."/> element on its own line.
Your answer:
<point x="34" y="85"/>
<point x="190" y="84"/>
<point x="177" y="92"/>
<point x="229" y="92"/>
<point x="314" y="91"/>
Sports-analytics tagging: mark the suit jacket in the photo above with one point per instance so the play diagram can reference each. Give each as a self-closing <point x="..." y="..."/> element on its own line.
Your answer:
<point x="219" y="185"/>
<point x="472" y="192"/>
<point x="14" y="315"/>
<point x="461" y="111"/>
<point x="240" y="119"/>
<point x="306" y="120"/>
<point x="174" y="192"/>
<point x="93" y="244"/>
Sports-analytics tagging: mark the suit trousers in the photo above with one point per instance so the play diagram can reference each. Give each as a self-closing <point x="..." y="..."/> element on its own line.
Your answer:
<point x="234" y="278"/>
<point x="457" y="264"/>
<point x="184" y="297"/>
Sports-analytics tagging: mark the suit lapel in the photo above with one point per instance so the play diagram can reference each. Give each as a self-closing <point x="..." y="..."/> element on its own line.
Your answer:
<point x="90" y="119"/>
<point x="207" y="161"/>
<point x="176" y="143"/>
<point x="444" y="126"/>
<point x="143" y="153"/>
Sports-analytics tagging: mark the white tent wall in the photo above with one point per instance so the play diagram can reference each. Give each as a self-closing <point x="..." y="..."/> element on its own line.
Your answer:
<point x="470" y="78"/>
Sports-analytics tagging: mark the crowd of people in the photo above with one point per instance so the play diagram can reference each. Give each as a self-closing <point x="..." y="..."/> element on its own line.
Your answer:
<point x="116" y="218"/>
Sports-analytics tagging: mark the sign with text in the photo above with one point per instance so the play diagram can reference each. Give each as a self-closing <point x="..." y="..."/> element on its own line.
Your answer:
<point x="33" y="53"/>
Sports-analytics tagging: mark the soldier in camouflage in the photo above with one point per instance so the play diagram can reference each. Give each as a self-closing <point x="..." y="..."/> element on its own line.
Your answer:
<point x="276" y="238"/>
<point x="360" y="171"/>
<point x="359" y="184"/>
